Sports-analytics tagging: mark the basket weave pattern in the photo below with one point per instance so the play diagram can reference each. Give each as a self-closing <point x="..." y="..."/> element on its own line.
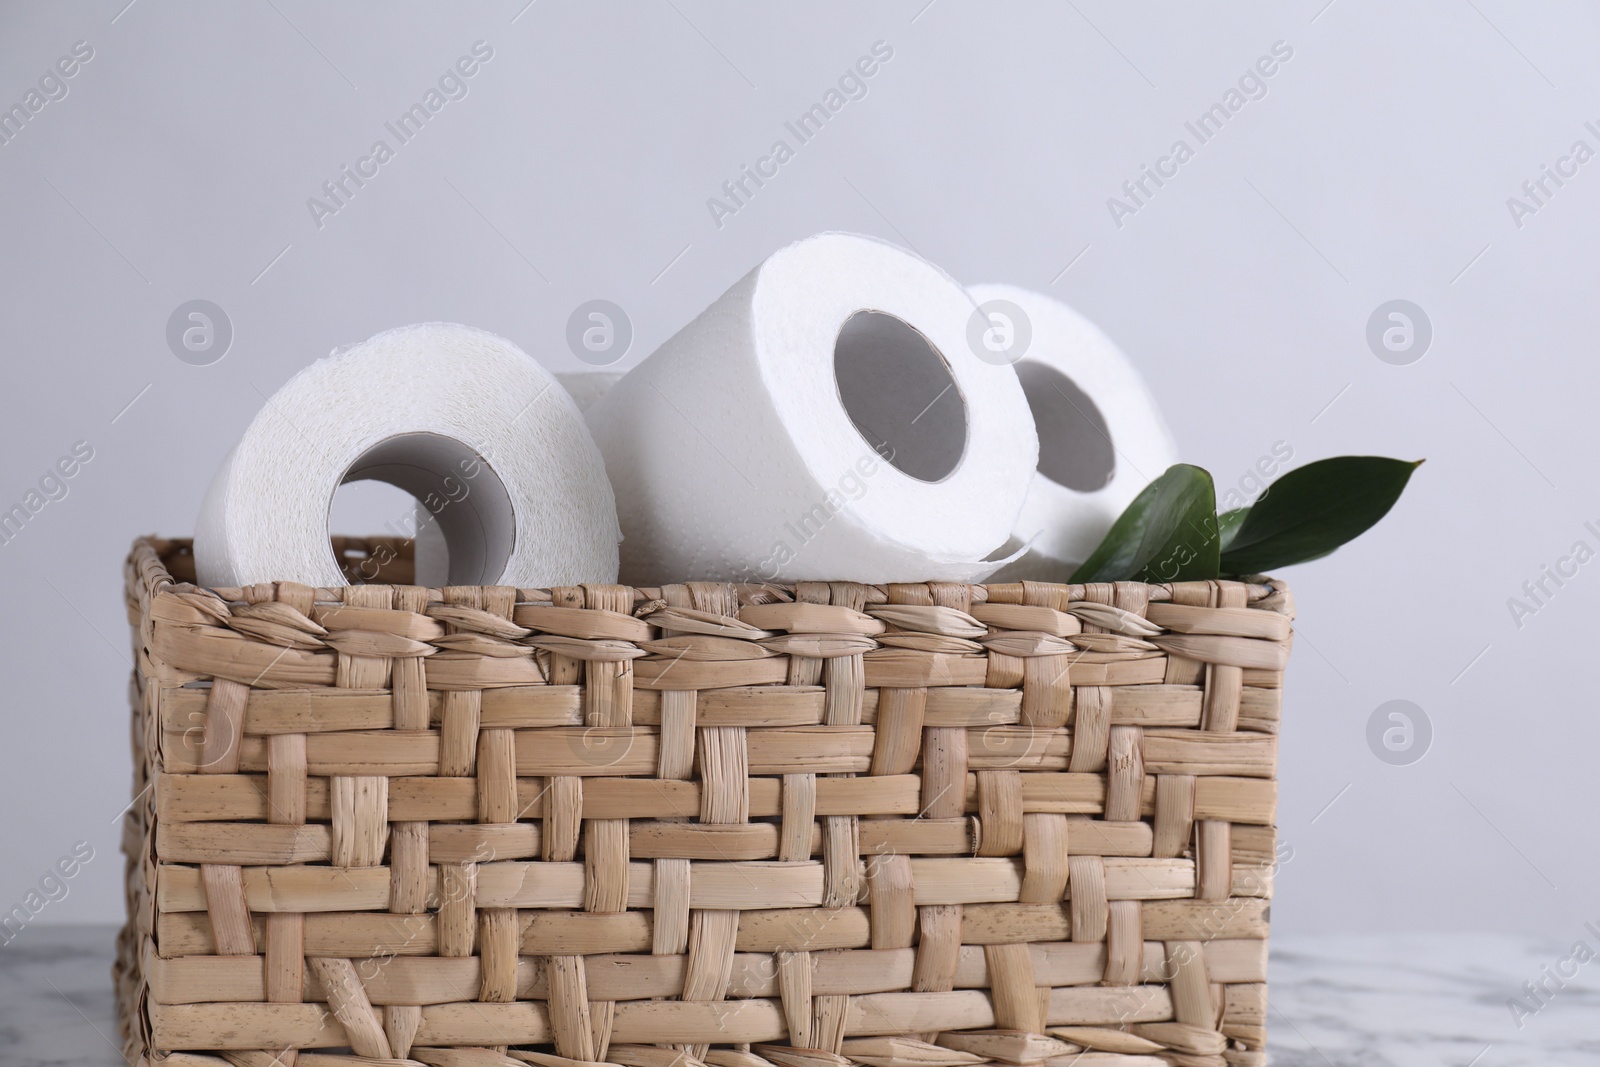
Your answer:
<point x="926" y="825"/>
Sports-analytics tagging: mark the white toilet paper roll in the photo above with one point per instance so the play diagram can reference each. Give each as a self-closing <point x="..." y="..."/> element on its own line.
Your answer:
<point x="461" y="419"/>
<point x="825" y="418"/>
<point x="1101" y="436"/>
<point x="588" y="386"/>
<point x="430" y="553"/>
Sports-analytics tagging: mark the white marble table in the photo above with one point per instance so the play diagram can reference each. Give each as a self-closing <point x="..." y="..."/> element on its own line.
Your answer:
<point x="1391" y="1001"/>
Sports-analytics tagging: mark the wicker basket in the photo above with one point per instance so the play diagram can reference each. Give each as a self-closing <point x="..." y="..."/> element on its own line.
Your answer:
<point x="925" y="825"/>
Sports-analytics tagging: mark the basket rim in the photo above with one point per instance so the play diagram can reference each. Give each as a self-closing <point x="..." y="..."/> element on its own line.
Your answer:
<point x="150" y="554"/>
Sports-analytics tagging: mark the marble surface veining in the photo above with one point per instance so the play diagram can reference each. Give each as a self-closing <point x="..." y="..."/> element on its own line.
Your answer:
<point x="1419" y="1000"/>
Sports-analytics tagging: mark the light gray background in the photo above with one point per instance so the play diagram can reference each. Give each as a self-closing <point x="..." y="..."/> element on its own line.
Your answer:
<point x="1377" y="167"/>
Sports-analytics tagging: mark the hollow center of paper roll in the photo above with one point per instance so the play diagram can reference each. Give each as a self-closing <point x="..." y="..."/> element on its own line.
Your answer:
<point x="900" y="395"/>
<point x="1075" y="447"/>
<point x="458" y="490"/>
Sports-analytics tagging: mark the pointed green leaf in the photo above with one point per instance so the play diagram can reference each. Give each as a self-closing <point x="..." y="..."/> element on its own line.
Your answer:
<point x="1168" y="533"/>
<point x="1313" y="510"/>
<point x="1228" y="524"/>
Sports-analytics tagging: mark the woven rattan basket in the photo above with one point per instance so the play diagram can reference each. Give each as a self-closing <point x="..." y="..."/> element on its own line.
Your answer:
<point x="925" y="825"/>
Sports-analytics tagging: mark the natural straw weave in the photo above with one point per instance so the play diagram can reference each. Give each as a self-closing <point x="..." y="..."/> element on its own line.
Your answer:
<point x="923" y="825"/>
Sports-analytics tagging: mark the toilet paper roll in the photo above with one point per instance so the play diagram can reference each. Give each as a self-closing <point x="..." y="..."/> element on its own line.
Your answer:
<point x="461" y="419"/>
<point x="430" y="553"/>
<point x="825" y="418"/>
<point x="1101" y="436"/>
<point x="586" y="387"/>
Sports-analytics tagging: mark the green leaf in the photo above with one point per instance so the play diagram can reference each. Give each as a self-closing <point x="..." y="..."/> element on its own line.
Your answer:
<point x="1228" y="524"/>
<point x="1168" y="533"/>
<point x="1313" y="510"/>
